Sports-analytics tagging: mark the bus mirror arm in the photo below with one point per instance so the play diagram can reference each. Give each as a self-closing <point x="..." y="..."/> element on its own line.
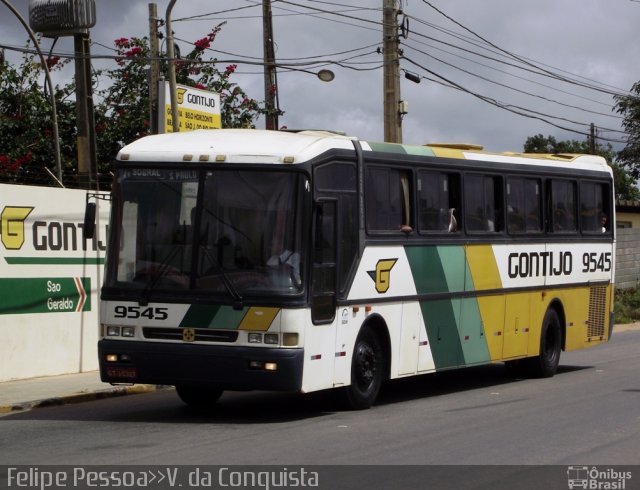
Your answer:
<point x="89" y="224"/>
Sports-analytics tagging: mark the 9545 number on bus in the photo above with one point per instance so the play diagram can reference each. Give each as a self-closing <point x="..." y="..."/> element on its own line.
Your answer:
<point x="149" y="312"/>
<point x="596" y="262"/>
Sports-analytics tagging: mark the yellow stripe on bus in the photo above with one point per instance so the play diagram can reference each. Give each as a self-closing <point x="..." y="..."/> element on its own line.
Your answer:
<point x="258" y="318"/>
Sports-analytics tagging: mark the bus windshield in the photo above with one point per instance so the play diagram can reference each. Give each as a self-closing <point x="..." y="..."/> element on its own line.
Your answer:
<point x="222" y="232"/>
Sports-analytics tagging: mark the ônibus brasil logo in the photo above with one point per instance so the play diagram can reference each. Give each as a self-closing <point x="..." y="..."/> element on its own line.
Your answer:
<point x="597" y="479"/>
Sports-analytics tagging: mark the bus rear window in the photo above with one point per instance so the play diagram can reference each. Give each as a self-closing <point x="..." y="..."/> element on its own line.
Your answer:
<point x="594" y="209"/>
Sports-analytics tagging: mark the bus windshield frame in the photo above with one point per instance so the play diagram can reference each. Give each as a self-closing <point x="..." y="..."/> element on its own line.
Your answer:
<point x="223" y="234"/>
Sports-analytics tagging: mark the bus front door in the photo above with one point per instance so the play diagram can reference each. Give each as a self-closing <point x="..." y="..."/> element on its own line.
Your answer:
<point x="324" y="282"/>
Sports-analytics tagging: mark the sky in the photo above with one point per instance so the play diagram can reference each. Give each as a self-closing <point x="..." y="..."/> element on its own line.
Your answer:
<point x="493" y="72"/>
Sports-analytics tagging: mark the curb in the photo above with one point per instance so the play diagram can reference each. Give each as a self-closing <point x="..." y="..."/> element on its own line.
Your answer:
<point x="82" y="397"/>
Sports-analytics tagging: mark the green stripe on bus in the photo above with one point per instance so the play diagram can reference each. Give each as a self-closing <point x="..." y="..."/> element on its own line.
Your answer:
<point x="199" y="316"/>
<point x="454" y="266"/>
<point x="427" y="270"/>
<point x="454" y="326"/>
<point x="220" y="317"/>
<point x="472" y="337"/>
<point x="227" y="318"/>
<point x="419" y="150"/>
<point x="387" y="147"/>
<point x="440" y="320"/>
<point x="54" y="260"/>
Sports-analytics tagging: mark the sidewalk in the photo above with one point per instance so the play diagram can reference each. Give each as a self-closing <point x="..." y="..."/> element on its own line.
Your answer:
<point x="76" y="388"/>
<point x="30" y="393"/>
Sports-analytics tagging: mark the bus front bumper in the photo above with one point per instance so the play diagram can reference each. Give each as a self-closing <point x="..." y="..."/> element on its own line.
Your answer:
<point x="224" y="367"/>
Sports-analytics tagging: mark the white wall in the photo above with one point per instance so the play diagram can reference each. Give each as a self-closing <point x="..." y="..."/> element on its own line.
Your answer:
<point x="41" y="331"/>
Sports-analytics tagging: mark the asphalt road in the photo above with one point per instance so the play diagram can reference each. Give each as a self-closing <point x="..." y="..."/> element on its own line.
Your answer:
<point x="589" y="413"/>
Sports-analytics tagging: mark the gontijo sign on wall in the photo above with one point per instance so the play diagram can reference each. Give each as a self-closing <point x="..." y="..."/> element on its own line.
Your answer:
<point x="197" y="109"/>
<point x="34" y="240"/>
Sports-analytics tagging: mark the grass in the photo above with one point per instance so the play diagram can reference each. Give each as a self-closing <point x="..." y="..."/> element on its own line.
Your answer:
<point x="627" y="305"/>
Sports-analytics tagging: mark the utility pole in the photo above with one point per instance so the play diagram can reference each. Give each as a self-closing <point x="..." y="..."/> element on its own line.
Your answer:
<point x="592" y="139"/>
<point x="270" y="78"/>
<point x="392" y="117"/>
<point x="175" y="117"/>
<point x="86" y="136"/>
<point x="154" y="67"/>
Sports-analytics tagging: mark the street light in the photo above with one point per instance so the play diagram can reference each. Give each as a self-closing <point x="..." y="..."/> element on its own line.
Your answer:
<point x="326" y="75"/>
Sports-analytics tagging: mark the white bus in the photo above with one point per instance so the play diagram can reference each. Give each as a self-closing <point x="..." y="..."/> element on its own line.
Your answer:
<point x="303" y="261"/>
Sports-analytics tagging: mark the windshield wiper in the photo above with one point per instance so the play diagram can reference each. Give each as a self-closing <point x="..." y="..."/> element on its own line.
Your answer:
<point x="164" y="267"/>
<point x="238" y="302"/>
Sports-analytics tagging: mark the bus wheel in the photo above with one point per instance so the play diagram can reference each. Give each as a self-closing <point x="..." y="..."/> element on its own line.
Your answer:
<point x="367" y="371"/>
<point x="198" y="396"/>
<point x="545" y="364"/>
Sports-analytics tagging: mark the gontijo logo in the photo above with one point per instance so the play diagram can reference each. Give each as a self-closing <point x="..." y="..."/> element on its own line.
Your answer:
<point x="181" y="92"/>
<point x="12" y="227"/>
<point x="46" y="235"/>
<point x="382" y="274"/>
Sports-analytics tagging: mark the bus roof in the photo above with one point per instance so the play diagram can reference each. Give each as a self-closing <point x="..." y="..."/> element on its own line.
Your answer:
<point x="234" y="145"/>
<point x="262" y="146"/>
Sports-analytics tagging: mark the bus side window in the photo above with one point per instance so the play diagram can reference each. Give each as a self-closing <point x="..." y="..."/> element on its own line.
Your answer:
<point x="388" y="206"/>
<point x="523" y="205"/>
<point x="563" y="206"/>
<point x="483" y="201"/>
<point x="438" y="201"/>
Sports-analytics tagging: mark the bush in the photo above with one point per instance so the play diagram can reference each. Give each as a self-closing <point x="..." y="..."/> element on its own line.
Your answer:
<point x="627" y="305"/>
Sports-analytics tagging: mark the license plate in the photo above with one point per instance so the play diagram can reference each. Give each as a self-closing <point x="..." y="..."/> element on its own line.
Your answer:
<point x="121" y="372"/>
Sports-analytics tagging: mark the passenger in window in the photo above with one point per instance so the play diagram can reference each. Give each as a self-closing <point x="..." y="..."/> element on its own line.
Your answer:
<point x="453" y="223"/>
<point x="491" y="226"/>
<point x="603" y="222"/>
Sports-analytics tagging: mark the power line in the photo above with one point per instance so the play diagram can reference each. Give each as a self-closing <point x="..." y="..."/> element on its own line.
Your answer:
<point x="195" y="17"/>
<point x="518" y="58"/>
<point x="524" y="92"/>
<point x="511" y="108"/>
<point x="469" y="40"/>
<point x="145" y="59"/>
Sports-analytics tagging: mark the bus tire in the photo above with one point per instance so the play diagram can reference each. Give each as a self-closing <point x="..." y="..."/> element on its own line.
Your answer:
<point x="546" y="363"/>
<point x="198" y="396"/>
<point x="367" y="371"/>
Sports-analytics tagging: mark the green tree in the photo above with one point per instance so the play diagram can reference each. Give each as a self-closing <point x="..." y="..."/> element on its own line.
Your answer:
<point x="26" y="127"/>
<point x="121" y="108"/>
<point x="123" y="113"/>
<point x="629" y="107"/>
<point x="624" y="183"/>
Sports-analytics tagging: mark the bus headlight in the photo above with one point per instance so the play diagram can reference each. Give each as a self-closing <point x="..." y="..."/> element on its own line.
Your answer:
<point x="271" y="338"/>
<point x="119" y="331"/>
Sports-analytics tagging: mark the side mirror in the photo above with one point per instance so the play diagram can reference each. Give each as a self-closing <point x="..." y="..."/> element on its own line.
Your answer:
<point x="89" y="227"/>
